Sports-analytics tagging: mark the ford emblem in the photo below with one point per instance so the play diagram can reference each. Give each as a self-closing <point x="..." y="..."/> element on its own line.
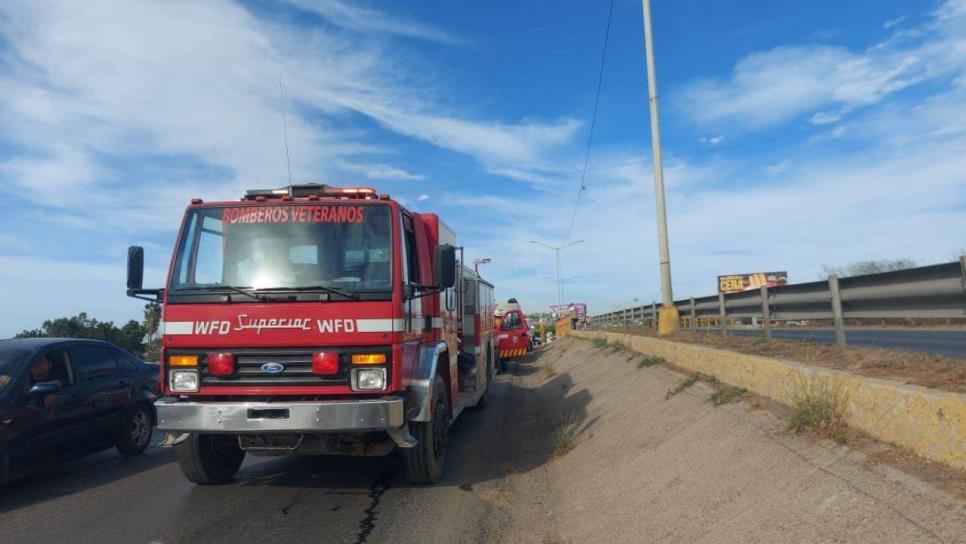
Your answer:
<point x="272" y="368"/>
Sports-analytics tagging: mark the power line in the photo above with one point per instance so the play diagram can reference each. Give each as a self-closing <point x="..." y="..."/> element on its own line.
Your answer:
<point x="593" y="122"/>
<point x="288" y="159"/>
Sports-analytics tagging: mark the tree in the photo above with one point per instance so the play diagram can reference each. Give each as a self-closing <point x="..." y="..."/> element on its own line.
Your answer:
<point x="130" y="336"/>
<point x="152" y="322"/>
<point x="867" y="267"/>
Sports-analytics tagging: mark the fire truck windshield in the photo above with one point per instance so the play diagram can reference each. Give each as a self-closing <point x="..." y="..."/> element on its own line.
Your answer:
<point x="329" y="247"/>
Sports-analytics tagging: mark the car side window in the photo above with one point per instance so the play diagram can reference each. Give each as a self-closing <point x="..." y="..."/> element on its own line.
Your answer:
<point x="92" y="363"/>
<point x="124" y="359"/>
<point x="59" y="368"/>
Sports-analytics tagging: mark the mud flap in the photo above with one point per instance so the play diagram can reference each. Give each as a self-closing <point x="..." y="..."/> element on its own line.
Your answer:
<point x="402" y="438"/>
<point x="171" y="440"/>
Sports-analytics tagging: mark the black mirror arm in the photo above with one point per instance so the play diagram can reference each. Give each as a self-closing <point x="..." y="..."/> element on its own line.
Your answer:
<point x="151" y="295"/>
<point x="427" y="289"/>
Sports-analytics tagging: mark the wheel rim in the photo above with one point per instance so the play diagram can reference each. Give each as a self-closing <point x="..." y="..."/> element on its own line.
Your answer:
<point x="140" y="428"/>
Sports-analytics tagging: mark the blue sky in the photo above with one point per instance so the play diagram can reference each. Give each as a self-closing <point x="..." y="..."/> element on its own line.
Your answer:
<point x="796" y="134"/>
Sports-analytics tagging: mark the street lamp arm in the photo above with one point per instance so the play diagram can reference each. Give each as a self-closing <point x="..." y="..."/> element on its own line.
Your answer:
<point x="543" y="244"/>
<point x="571" y="243"/>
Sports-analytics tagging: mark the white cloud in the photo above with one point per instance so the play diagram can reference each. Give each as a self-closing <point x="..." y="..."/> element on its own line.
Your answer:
<point x="825" y="117"/>
<point x="362" y="19"/>
<point x="422" y="198"/>
<point x="382" y="172"/>
<point x="711" y="140"/>
<point x="893" y="22"/>
<point x="770" y="87"/>
<point x="200" y="81"/>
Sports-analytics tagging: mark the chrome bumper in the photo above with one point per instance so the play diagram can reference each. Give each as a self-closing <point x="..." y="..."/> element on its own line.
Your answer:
<point x="253" y="417"/>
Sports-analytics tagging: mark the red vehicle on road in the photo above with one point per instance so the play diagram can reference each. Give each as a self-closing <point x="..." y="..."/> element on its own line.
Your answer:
<point x="315" y="320"/>
<point x="513" y="334"/>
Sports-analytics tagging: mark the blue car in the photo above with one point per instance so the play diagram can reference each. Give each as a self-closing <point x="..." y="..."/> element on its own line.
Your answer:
<point x="62" y="398"/>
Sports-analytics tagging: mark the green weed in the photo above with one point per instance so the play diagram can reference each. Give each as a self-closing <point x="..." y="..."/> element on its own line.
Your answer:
<point x="650" y="360"/>
<point x="726" y="394"/>
<point x="688" y="382"/>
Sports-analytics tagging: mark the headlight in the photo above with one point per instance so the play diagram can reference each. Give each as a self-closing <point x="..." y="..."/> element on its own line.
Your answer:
<point x="369" y="379"/>
<point x="184" y="381"/>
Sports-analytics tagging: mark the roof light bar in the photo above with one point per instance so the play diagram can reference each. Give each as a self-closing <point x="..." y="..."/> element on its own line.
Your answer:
<point x="309" y="190"/>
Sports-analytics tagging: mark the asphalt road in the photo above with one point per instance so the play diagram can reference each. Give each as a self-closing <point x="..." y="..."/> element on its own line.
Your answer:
<point x="949" y="343"/>
<point x="108" y="498"/>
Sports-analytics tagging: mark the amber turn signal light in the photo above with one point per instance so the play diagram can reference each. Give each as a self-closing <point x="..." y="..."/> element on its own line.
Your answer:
<point x="369" y="358"/>
<point x="183" y="360"/>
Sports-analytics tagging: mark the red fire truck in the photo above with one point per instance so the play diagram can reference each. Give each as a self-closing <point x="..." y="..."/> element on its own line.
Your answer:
<point x="316" y="320"/>
<point x="513" y="337"/>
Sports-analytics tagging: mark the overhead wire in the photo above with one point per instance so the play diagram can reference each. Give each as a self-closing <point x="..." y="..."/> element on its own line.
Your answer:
<point x="593" y="122"/>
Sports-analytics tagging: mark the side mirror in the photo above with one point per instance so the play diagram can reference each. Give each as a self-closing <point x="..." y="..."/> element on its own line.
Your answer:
<point x="444" y="266"/>
<point x="135" y="267"/>
<point x="45" y="388"/>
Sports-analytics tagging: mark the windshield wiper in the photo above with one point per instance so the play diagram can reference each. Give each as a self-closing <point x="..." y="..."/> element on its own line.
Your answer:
<point x="239" y="290"/>
<point x="323" y="288"/>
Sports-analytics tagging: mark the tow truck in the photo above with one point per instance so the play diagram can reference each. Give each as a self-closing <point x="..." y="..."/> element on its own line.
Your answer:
<point x="315" y="319"/>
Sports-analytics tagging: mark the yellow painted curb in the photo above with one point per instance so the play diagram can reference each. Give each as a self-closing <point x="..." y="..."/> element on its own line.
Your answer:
<point x="929" y="422"/>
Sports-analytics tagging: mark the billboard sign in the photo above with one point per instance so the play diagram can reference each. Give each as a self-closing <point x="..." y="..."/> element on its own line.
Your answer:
<point x="736" y="283"/>
<point x="563" y="310"/>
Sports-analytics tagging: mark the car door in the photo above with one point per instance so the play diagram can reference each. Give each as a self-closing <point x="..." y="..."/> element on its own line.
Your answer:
<point x="44" y="426"/>
<point x="102" y="386"/>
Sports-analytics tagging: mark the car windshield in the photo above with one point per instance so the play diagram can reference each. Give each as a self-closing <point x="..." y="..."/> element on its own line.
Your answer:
<point x="11" y="362"/>
<point x="341" y="246"/>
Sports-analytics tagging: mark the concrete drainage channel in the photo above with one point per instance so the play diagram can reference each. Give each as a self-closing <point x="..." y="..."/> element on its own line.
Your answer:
<point x="928" y="422"/>
<point x="660" y="457"/>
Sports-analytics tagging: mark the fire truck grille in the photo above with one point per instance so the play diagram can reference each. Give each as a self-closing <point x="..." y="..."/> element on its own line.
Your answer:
<point x="296" y="370"/>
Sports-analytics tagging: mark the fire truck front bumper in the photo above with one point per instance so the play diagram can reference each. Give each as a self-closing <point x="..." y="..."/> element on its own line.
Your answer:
<point x="179" y="416"/>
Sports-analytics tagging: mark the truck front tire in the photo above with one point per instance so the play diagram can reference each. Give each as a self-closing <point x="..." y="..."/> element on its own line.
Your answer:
<point x="424" y="462"/>
<point x="210" y="459"/>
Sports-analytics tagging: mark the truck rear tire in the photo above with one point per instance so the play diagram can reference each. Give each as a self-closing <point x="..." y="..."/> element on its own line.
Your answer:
<point x="210" y="459"/>
<point x="424" y="462"/>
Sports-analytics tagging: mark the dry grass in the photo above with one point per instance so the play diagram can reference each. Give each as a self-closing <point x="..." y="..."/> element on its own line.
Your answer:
<point x="819" y="409"/>
<point x="927" y="370"/>
<point x="564" y="436"/>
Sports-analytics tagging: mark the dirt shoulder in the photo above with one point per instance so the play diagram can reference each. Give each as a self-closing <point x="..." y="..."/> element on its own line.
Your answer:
<point x="933" y="371"/>
<point x="634" y="464"/>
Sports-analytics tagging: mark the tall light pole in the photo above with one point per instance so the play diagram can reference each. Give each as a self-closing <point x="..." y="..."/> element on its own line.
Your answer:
<point x="556" y="251"/>
<point x="563" y="281"/>
<point x="478" y="262"/>
<point x="668" y="316"/>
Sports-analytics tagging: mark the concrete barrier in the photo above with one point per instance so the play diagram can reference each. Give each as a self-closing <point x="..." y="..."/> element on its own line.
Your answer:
<point x="929" y="422"/>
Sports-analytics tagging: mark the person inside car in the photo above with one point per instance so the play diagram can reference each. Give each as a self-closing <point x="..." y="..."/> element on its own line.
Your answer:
<point x="42" y="371"/>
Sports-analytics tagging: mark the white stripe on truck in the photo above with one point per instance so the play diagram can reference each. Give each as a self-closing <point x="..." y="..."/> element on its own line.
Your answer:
<point x="362" y="325"/>
<point x="177" y="327"/>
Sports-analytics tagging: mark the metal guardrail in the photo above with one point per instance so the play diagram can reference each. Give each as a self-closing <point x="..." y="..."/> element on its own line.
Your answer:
<point x="936" y="291"/>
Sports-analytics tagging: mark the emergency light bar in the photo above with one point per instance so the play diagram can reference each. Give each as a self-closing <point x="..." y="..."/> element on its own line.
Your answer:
<point x="309" y="190"/>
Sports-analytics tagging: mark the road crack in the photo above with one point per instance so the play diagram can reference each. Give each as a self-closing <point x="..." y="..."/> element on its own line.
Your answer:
<point x="382" y="484"/>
